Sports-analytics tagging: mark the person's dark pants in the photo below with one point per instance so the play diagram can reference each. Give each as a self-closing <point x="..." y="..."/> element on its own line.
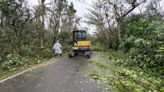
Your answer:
<point x="58" y="54"/>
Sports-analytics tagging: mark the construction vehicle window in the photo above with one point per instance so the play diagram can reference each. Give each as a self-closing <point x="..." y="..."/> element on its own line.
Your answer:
<point x="80" y="36"/>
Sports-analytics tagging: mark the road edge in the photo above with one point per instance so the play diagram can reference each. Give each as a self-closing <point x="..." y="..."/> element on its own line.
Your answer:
<point x="29" y="69"/>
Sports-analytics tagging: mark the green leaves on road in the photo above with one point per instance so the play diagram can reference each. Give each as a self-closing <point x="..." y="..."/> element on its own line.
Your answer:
<point x="123" y="79"/>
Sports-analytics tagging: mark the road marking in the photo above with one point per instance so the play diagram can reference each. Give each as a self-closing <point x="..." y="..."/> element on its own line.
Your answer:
<point x="34" y="67"/>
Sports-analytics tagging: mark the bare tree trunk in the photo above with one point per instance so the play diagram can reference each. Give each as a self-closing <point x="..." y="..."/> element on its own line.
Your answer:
<point x="119" y="29"/>
<point x="42" y="29"/>
<point x="119" y="32"/>
<point x="1" y="24"/>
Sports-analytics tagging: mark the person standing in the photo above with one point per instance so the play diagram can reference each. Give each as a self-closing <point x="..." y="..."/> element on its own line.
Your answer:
<point x="57" y="47"/>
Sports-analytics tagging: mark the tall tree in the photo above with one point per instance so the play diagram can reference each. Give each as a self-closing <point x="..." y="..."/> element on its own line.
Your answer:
<point x="41" y="11"/>
<point x="71" y="15"/>
<point x="62" y="18"/>
<point x="16" y="19"/>
<point x="114" y="12"/>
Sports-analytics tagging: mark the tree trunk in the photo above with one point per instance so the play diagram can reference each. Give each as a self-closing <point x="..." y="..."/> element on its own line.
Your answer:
<point x="119" y="33"/>
<point x="17" y="46"/>
<point x="119" y="29"/>
<point x="1" y="24"/>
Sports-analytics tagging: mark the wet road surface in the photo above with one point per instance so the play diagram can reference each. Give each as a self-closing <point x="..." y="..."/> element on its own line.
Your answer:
<point x="63" y="75"/>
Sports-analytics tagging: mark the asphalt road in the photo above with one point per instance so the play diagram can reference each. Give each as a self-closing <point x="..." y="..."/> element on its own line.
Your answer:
<point x="62" y="75"/>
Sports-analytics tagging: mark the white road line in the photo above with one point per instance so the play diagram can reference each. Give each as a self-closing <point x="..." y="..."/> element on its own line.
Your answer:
<point x="13" y="76"/>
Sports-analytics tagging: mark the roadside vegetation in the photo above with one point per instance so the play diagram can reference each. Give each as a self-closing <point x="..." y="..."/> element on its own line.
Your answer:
<point x="113" y="72"/>
<point x="27" y="33"/>
<point x="133" y="44"/>
<point x="129" y="35"/>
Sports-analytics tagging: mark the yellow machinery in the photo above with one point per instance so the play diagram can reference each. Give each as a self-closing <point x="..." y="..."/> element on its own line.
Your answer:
<point x="80" y="44"/>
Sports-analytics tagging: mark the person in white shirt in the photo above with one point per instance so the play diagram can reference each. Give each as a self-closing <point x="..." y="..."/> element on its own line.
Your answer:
<point x="57" y="47"/>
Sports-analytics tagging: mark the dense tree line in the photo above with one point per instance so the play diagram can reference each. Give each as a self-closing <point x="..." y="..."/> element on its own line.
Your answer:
<point x="132" y="26"/>
<point x="29" y="33"/>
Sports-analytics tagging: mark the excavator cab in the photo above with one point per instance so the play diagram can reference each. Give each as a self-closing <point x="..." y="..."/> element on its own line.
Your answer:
<point x="81" y="44"/>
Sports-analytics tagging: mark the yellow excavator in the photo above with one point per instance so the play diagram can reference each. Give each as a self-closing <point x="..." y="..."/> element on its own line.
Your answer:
<point x="80" y="44"/>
